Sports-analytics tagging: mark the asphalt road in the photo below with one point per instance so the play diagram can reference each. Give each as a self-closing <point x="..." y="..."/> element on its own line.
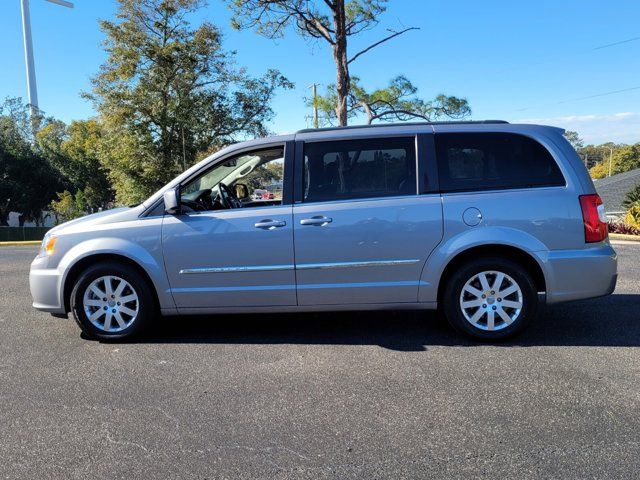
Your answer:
<point x="322" y="396"/>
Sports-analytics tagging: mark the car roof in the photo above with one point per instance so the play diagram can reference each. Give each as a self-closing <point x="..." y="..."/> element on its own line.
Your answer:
<point x="393" y="129"/>
<point x="396" y="129"/>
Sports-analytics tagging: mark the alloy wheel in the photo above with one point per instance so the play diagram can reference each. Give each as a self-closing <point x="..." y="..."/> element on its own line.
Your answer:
<point x="110" y="303"/>
<point x="491" y="300"/>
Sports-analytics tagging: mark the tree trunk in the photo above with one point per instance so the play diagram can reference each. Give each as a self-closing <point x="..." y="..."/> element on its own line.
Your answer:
<point x="343" y="81"/>
<point x="4" y="214"/>
<point x="367" y="110"/>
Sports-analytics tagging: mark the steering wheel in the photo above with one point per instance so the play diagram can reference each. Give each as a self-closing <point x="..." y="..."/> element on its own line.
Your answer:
<point x="228" y="197"/>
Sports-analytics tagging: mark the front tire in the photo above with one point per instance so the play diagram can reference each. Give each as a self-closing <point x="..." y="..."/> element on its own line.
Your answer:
<point x="490" y="298"/>
<point x="112" y="301"/>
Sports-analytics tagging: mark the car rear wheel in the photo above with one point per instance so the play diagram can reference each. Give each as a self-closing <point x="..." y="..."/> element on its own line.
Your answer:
<point x="111" y="301"/>
<point x="490" y="298"/>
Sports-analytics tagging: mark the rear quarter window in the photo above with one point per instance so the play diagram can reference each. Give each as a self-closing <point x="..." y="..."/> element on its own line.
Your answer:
<point x="493" y="161"/>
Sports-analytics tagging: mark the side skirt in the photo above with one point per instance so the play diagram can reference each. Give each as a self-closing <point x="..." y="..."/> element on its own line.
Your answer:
<point x="305" y="308"/>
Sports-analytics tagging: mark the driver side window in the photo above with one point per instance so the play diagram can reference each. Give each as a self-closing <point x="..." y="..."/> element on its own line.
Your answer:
<point x="251" y="179"/>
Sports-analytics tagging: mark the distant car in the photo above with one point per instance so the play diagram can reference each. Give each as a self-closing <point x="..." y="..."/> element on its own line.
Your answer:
<point x="477" y="218"/>
<point x="258" y="194"/>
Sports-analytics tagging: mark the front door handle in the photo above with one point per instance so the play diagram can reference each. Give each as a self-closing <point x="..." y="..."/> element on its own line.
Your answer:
<point x="320" y="220"/>
<point x="269" y="224"/>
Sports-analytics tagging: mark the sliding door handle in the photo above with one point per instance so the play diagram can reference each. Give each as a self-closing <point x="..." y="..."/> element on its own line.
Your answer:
<point x="319" y="220"/>
<point x="269" y="224"/>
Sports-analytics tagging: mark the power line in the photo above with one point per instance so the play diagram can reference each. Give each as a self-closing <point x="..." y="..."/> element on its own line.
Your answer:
<point x="613" y="92"/>
<point x="617" y="43"/>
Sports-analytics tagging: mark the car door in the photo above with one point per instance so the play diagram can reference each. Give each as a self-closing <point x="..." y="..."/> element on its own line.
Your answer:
<point x="362" y="232"/>
<point x="235" y="257"/>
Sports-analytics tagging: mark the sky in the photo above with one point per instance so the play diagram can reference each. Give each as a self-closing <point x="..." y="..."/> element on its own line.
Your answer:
<point x="568" y="63"/>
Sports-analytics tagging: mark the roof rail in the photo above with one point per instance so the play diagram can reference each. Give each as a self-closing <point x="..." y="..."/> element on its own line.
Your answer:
<point x="403" y="124"/>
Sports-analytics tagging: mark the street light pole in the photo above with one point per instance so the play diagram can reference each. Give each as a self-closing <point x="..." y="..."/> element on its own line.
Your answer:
<point x="28" y="58"/>
<point x="28" y="52"/>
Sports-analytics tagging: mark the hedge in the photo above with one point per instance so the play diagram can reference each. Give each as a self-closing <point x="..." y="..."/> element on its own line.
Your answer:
<point x="18" y="234"/>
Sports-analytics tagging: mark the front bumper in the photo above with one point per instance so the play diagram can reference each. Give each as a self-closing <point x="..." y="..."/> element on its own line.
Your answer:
<point x="580" y="274"/>
<point x="46" y="287"/>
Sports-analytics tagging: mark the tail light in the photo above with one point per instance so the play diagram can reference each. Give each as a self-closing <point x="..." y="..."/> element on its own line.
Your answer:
<point x="595" y="222"/>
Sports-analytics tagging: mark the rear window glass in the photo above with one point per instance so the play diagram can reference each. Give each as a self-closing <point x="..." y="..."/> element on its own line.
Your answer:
<point x="490" y="161"/>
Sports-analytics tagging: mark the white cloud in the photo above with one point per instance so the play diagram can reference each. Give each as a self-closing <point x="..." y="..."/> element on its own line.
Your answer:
<point x="623" y="127"/>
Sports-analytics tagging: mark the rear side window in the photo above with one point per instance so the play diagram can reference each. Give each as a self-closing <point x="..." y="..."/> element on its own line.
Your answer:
<point x="348" y="169"/>
<point x="490" y="161"/>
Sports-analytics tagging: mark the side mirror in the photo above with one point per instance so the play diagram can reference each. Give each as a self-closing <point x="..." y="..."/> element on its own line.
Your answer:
<point x="171" y="202"/>
<point x="241" y="190"/>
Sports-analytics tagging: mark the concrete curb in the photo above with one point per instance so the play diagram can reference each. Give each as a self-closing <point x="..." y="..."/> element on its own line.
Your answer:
<point x="20" y="244"/>
<point x="621" y="236"/>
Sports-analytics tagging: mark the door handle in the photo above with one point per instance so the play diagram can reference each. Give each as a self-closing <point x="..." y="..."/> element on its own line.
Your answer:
<point x="269" y="224"/>
<point x="319" y="220"/>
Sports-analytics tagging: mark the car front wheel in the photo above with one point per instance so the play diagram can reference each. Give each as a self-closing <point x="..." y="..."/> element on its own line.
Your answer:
<point x="111" y="301"/>
<point x="490" y="298"/>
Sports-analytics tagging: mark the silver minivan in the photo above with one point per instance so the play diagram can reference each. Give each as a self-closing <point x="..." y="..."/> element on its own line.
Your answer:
<point x="482" y="219"/>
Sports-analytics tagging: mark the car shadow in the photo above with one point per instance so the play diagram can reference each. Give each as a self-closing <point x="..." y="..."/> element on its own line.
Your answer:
<point x="612" y="321"/>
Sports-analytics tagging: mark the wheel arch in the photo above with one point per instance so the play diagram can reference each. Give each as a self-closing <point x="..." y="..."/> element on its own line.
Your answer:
<point x="510" y="252"/>
<point x="83" y="263"/>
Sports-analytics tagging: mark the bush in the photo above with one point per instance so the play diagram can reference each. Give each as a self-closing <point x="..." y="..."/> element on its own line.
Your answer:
<point x="625" y="229"/>
<point x="633" y="216"/>
<point x="632" y="197"/>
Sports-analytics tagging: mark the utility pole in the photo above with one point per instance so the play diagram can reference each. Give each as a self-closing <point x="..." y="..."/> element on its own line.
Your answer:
<point x="610" y="159"/>
<point x="316" y="123"/>
<point x="28" y="53"/>
<point x="184" y="155"/>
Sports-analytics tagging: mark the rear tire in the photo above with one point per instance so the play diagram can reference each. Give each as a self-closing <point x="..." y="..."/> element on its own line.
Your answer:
<point x="112" y="301"/>
<point x="490" y="298"/>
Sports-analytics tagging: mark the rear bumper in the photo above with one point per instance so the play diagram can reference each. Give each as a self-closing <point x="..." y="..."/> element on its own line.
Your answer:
<point x="46" y="286"/>
<point x="580" y="274"/>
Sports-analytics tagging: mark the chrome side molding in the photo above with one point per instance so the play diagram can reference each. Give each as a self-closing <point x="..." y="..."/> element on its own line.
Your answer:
<point x="302" y="266"/>
<point x="257" y="268"/>
<point x="372" y="263"/>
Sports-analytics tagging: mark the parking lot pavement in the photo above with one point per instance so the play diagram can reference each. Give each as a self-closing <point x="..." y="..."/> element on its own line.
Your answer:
<point x="366" y="395"/>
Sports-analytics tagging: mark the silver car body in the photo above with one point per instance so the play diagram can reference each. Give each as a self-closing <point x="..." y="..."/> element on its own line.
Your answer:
<point x="376" y="253"/>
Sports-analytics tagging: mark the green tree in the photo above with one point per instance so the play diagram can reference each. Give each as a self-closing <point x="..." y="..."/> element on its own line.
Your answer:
<point x="333" y="21"/>
<point x="398" y="101"/>
<point x="74" y="151"/>
<point x="28" y="181"/>
<point x="168" y="91"/>
<point x="624" y="158"/>
<point x="264" y="175"/>
<point x="68" y="206"/>
<point x="574" y="139"/>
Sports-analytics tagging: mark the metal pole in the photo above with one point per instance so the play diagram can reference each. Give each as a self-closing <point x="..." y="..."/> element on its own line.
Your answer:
<point x="28" y="58"/>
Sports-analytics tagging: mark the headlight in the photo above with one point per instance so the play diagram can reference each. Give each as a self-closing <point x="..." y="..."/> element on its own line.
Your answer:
<point x="48" y="245"/>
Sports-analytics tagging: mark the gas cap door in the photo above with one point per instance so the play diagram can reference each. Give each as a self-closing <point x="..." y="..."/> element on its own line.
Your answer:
<point x="472" y="216"/>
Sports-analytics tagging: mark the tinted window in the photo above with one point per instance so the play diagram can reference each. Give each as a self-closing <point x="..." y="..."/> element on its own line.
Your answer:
<point x="359" y="169"/>
<point x="485" y="161"/>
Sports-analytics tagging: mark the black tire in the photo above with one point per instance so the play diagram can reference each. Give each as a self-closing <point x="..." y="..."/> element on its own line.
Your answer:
<point x="146" y="308"/>
<point x="452" y="299"/>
